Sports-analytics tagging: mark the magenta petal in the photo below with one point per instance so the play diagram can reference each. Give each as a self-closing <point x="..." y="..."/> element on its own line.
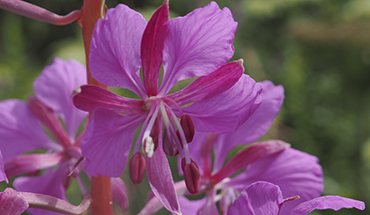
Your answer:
<point x="256" y="125"/>
<point x="226" y="111"/>
<point x="12" y="203"/>
<point x="151" y="50"/>
<point x="20" y="130"/>
<point x="119" y="193"/>
<point x="260" y="198"/>
<point x="327" y="202"/>
<point x="197" y="44"/>
<point x="115" y="49"/>
<point x="107" y="142"/>
<point x="210" y="85"/>
<point x="247" y="156"/>
<point x="31" y="162"/>
<point x="89" y="97"/>
<point x="54" y="88"/>
<point x="295" y="172"/>
<point x="160" y="180"/>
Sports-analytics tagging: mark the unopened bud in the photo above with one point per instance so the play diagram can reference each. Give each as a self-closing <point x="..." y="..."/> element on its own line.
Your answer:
<point x="137" y="168"/>
<point x="188" y="127"/>
<point x="192" y="177"/>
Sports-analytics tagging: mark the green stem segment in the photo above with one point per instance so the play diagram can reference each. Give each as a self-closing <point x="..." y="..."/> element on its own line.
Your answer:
<point x="101" y="191"/>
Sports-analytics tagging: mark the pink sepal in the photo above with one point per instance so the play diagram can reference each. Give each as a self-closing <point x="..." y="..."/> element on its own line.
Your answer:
<point x="151" y="49"/>
<point x="89" y="97"/>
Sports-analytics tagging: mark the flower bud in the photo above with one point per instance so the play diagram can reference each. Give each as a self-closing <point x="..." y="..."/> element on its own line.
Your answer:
<point x="137" y="168"/>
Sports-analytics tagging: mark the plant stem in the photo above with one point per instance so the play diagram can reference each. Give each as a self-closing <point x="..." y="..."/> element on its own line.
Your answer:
<point x="101" y="191"/>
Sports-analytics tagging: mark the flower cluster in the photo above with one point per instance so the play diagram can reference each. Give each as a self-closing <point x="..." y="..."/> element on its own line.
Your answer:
<point x="220" y="109"/>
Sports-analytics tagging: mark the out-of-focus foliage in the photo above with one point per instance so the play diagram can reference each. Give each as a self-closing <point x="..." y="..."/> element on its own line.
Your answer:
<point x="319" y="50"/>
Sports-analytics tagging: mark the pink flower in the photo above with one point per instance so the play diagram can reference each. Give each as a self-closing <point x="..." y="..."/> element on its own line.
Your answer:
<point x="198" y="44"/>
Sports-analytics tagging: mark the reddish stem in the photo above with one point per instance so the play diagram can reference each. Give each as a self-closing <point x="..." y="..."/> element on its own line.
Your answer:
<point x="101" y="191"/>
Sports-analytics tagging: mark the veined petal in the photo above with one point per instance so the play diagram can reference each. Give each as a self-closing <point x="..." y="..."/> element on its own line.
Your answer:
<point x="54" y="87"/>
<point x="160" y="180"/>
<point x="226" y="111"/>
<point x="20" y="130"/>
<point x="191" y="207"/>
<point x="119" y="193"/>
<point x="115" y="49"/>
<point x="210" y="85"/>
<point x="12" y="203"/>
<point x="295" y="172"/>
<point x="89" y="97"/>
<point x="151" y="49"/>
<point x="327" y="202"/>
<point x="260" y="198"/>
<point x="107" y="142"/>
<point x="31" y="162"/>
<point x="197" y="44"/>
<point x="256" y="125"/>
<point x="247" y="156"/>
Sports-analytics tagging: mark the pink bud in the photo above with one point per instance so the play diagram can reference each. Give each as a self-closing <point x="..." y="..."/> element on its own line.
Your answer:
<point x="188" y="127"/>
<point x="191" y="176"/>
<point x="137" y="168"/>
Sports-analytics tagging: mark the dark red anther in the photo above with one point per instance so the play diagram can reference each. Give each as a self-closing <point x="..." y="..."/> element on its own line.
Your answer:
<point x="183" y="163"/>
<point x="191" y="176"/>
<point x="188" y="127"/>
<point x="179" y="137"/>
<point x="154" y="133"/>
<point x="169" y="144"/>
<point x="137" y="168"/>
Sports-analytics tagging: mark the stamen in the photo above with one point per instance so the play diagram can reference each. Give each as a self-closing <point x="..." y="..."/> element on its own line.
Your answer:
<point x="191" y="176"/>
<point x="188" y="127"/>
<point x="184" y="149"/>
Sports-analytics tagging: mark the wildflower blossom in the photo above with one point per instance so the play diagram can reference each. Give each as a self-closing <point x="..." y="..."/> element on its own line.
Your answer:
<point x="198" y="44"/>
<point x="21" y="131"/>
<point x="266" y="198"/>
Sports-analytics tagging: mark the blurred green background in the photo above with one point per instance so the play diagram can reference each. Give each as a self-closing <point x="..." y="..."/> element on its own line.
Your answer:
<point x="319" y="50"/>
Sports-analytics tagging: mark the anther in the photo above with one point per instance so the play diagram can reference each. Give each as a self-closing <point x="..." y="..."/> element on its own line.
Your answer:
<point x="191" y="176"/>
<point x="137" y="168"/>
<point x="188" y="127"/>
<point x="154" y="133"/>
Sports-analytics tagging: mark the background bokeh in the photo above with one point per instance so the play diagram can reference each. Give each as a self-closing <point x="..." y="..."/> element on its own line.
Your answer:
<point x="319" y="50"/>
